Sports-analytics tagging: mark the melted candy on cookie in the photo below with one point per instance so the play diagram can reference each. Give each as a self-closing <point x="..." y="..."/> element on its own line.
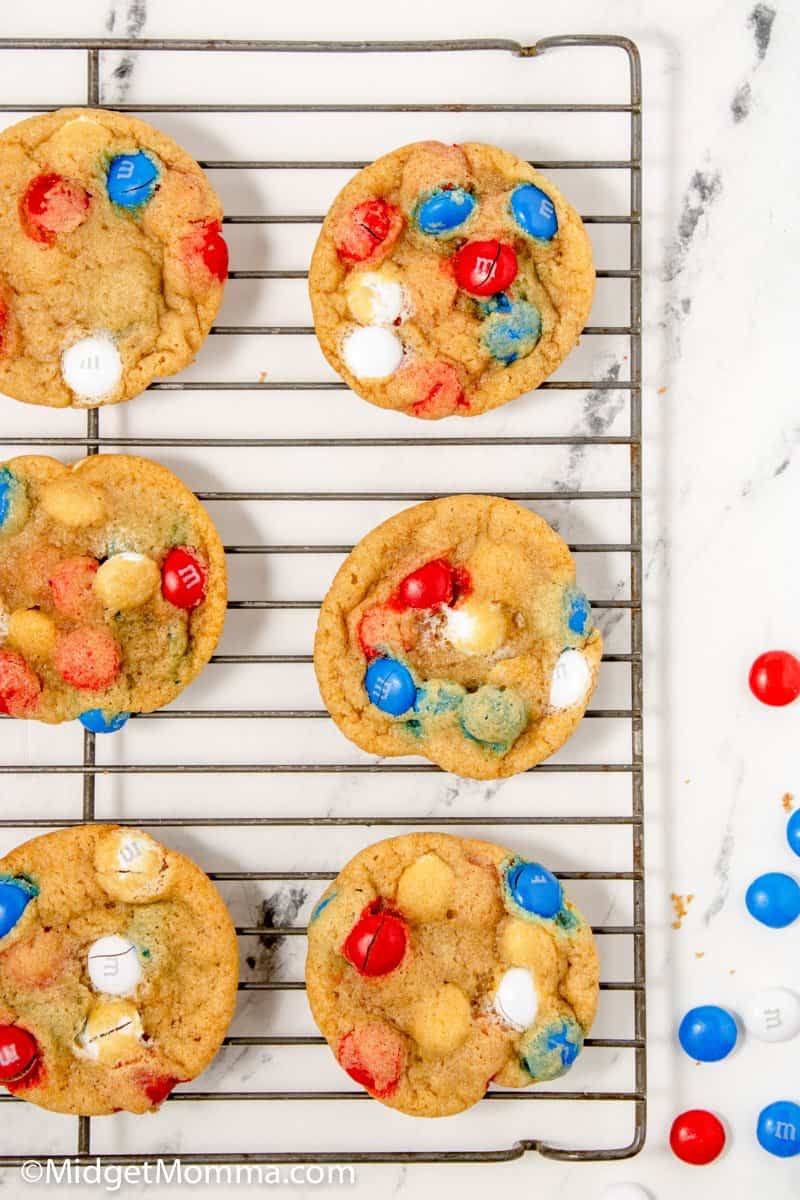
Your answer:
<point x="551" y="1050"/>
<point x="368" y="231"/>
<point x="377" y="942"/>
<point x="438" y="390"/>
<point x="88" y="658"/>
<point x="52" y="205"/>
<point x="374" y="1055"/>
<point x="13" y="502"/>
<point x="19" y="685"/>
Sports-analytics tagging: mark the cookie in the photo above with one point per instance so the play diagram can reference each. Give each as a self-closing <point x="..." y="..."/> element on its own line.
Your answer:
<point x="438" y="965"/>
<point x="112" y="588"/>
<point x="118" y="970"/>
<point x="112" y="262"/>
<point x="448" y="280"/>
<point x="455" y="630"/>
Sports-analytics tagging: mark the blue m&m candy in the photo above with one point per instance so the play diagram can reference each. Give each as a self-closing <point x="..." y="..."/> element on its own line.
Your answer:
<point x="445" y="209"/>
<point x="96" y="721"/>
<point x="512" y="332"/>
<point x="534" y="212"/>
<point x="552" y="1049"/>
<point x="132" y="179"/>
<point x="793" y="831"/>
<point x="534" y="888"/>
<point x="778" y="1129"/>
<point x="390" y="686"/>
<point x="579" y="614"/>
<point x="774" y="899"/>
<point x="708" y="1033"/>
<point x="14" y="899"/>
<point x="13" y="502"/>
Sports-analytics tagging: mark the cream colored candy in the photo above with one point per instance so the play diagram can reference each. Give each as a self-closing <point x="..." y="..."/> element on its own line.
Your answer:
<point x="440" y="1023"/>
<point x="516" y="1000"/>
<point x="476" y="627"/>
<point x="375" y="297"/>
<point x="112" y="1034"/>
<point x="425" y="889"/>
<point x="72" y="502"/>
<point x="31" y="632"/>
<point x="127" y="581"/>
<point x="131" y="866"/>
<point x="372" y="352"/>
<point x="114" y="967"/>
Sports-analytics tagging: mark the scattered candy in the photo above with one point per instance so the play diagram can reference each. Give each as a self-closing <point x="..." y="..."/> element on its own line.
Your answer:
<point x="697" y="1137"/>
<point x="51" y="205"/>
<point x="571" y="679"/>
<point x="112" y="1033"/>
<point x="32" y="632"/>
<point x="96" y="721"/>
<point x="534" y="889"/>
<point x="127" y="581"/>
<point x="377" y="942"/>
<point x="441" y="1022"/>
<point x="92" y="367"/>
<point x="390" y="686"/>
<point x="114" y="966"/>
<point x="375" y="297"/>
<point x="513" y="334"/>
<point x="72" y="502"/>
<point x="131" y="866"/>
<point x="793" y="831"/>
<point x="772" y="1015"/>
<point x="368" y="231"/>
<point x="578" y="612"/>
<point x="445" y="210"/>
<point x="372" y="352"/>
<point x="438" y="388"/>
<point x="427" y="586"/>
<point x="425" y="889"/>
<point x="13" y="502"/>
<point x="183" y="578"/>
<point x="516" y="1000"/>
<point x="494" y="715"/>
<point x="132" y="179"/>
<point x="374" y="1055"/>
<point x="774" y="899"/>
<point x="483" y="268"/>
<point x="207" y="245"/>
<point x="775" y="678"/>
<point x="18" y="1052"/>
<point x="708" y="1033"/>
<point x="88" y="658"/>
<point x="19" y="686"/>
<point x="778" y="1129"/>
<point x="14" y="899"/>
<point x="72" y="586"/>
<point x="551" y="1050"/>
<point x="476" y="627"/>
<point x="534" y="211"/>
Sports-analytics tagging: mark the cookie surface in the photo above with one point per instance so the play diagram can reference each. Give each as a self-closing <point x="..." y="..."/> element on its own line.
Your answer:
<point x="112" y="588"/>
<point x="455" y="630"/>
<point x="112" y="263"/>
<point x="118" y="970"/>
<point x="437" y="965"/>
<point x="448" y="280"/>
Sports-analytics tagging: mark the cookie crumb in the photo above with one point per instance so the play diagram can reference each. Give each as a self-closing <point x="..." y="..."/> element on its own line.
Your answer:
<point x="661" y="391"/>
<point x="680" y="906"/>
<point x="699" y="953"/>
<point x="787" y="800"/>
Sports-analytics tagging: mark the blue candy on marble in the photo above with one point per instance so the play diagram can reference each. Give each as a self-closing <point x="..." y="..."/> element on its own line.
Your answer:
<point x="16" y="894"/>
<point x="132" y="179"/>
<point x="553" y="1049"/>
<point x="774" y="899"/>
<point x="534" y="889"/>
<point x="578" y="612"/>
<point x="321" y="905"/>
<point x="708" y="1033"/>
<point x="96" y="721"/>
<point x="534" y="212"/>
<point x="778" y="1129"/>
<point x="390" y="686"/>
<point x="444" y="210"/>
<point x="793" y="831"/>
<point x="509" y="334"/>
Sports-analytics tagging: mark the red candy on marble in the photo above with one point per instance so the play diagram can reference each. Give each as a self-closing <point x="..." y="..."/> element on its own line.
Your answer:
<point x="18" y="1053"/>
<point x="483" y="268"/>
<point x="183" y="578"/>
<point x="374" y="1055"/>
<point x="368" y="231"/>
<point x="377" y="942"/>
<point x="427" y="586"/>
<point x="88" y="658"/>
<point x="51" y="205"/>
<point x="775" y="678"/>
<point x="19" y="686"/>
<point x="697" y="1137"/>
<point x="439" y="390"/>
<point x="72" y="584"/>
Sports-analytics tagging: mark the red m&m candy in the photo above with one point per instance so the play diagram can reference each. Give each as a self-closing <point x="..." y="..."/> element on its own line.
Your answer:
<point x="72" y="586"/>
<point x="775" y="678"/>
<point x="158" y="1087"/>
<point x="51" y="205"/>
<point x="18" y="1052"/>
<point x="483" y="268"/>
<point x="377" y="942"/>
<point x="19" y="686"/>
<point x="374" y="1055"/>
<point x="368" y="231"/>
<point x="427" y="586"/>
<point x="438" y="390"/>
<point x="697" y="1137"/>
<point x="183" y="578"/>
<point x="88" y="658"/>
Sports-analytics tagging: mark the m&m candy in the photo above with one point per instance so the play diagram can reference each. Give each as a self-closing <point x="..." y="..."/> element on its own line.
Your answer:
<point x="775" y="678"/>
<point x="131" y="179"/>
<point x="793" y="831"/>
<point x="88" y="658"/>
<point x="551" y="1049"/>
<point x="427" y="586"/>
<point x="374" y="1055"/>
<point x="14" y="899"/>
<point x="438" y="389"/>
<point x="207" y="245"/>
<point x="113" y="965"/>
<point x="444" y="210"/>
<point x="13" y="502"/>
<point x="494" y="715"/>
<point x="372" y="352"/>
<point x="708" y="1033"/>
<point x="376" y="297"/>
<point x="774" y="899"/>
<point x="52" y="205"/>
<point x="571" y="679"/>
<point x="183" y="578"/>
<point x="772" y="1015"/>
<point x="19" y="685"/>
<point x="390" y="686"/>
<point x="578" y="612"/>
<point x="18" y="1053"/>
<point x="483" y="268"/>
<point x="512" y="334"/>
<point x="92" y="366"/>
<point x="96" y="721"/>
<point x="127" y="581"/>
<point x="516" y="1000"/>
<point x="72" y="586"/>
<point x="534" y="212"/>
<point x="533" y="888"/>
<point x="697" y="1137"/>
<point x="368" y="231"/>
<point x="778" y="1129"/>
<point x="377" y="942"/>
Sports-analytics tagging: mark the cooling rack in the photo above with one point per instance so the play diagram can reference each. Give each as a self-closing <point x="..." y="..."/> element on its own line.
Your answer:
<point x="243" y="782"/>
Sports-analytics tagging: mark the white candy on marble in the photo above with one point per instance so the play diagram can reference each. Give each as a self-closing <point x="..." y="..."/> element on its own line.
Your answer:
<point x="571" y="678"/>
<point x="516" y="1000"/>
<point x="772" y="1015"/>
<point x="114" y="966"/>
<point x="372" y="352"/>
<point x="92" y="367"/>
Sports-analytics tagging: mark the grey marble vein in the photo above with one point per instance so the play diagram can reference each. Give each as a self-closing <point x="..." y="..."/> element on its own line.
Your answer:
<point x="705" y="187"/>
<point x="127" y="20"/>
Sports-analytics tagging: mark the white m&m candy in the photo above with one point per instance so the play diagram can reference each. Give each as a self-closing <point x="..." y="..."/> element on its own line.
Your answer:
<point x="131" y="866"/>
<point x="772" y="1015"/>
<point x="475" y="627"/>
<point x="112" y="1034"/>
<point x="375" y="297"/>
<point x="92" y="367"/>
<point x="372" y="352"/>
<point x="571" y="678"/>
<point x="114" y="966"/>
<point x="516" y="1000"/>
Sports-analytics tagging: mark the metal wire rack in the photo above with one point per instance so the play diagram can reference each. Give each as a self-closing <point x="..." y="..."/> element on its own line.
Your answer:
<point x="186" y="759"/>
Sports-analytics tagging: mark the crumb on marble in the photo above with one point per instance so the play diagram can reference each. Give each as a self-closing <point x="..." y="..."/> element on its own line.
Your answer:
<point x="699" y="953"/>
<point x="661" y="391"/>
<point x="787" y="800"/>
<point x="680" y="907"/>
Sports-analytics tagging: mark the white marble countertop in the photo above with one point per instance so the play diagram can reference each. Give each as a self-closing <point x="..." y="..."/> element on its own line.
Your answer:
<point x="721" y="433"/>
